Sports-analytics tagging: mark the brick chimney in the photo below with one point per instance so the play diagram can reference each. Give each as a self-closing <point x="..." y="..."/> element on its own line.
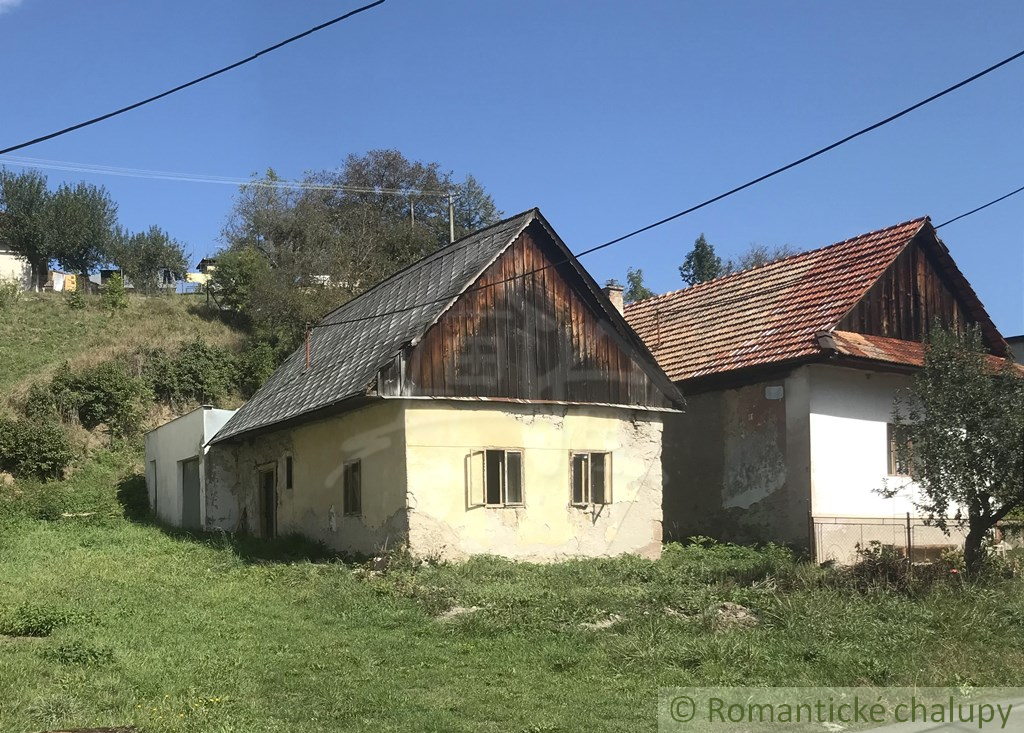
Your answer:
<point x="614" y="292"/>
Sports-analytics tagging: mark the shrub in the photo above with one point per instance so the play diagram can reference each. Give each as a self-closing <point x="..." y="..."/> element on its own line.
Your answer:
<point x="198" y="372"/>
<point x="40" y="402"/>
<point x="114" y="296"/>
<point x="34" y="448"/>
<point x="255" y="365"/>
<point x="74" y="300"/>
<point x="106" y="393"/>
<point x="10" y="294"/>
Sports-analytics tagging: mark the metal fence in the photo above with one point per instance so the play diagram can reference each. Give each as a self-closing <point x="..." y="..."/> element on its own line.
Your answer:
<point x="837" y="539"/>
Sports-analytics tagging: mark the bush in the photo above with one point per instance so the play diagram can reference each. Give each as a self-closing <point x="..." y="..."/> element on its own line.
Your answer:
<point x="114" y="296"/>
<point x="34" y="448"/>
<point x="106" y="393"/>
<point x="198" y="372"/>
<point x="10" y="294"/>
<point x="74" y="300"/>
<point x="255" y="365"/>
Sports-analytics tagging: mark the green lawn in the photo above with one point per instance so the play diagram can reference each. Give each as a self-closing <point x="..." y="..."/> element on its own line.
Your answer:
<point x="168" y="632"/>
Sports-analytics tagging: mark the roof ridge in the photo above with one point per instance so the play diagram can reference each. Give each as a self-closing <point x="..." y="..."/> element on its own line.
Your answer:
<point x="781" y="260"/>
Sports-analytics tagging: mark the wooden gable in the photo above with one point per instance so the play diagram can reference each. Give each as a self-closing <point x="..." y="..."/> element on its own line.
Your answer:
<point x="910" y="295"/>
<point x="530" y="329"/>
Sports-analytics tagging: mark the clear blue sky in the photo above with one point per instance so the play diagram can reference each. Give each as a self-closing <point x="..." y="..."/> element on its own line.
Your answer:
<point x="606" y="115"/>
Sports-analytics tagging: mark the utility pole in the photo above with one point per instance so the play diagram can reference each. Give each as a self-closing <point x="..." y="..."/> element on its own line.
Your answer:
<point x="451" y="218"/>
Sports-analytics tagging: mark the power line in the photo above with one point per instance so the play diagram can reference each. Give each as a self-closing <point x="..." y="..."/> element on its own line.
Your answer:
<point x="186" y="85"/>
<point x="983" y="206"/>
<point x="719" y="197"/>
<point x="64" y="165"/>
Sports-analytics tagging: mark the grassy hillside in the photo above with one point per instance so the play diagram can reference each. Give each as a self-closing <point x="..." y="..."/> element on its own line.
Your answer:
<point x="40" y="332"/>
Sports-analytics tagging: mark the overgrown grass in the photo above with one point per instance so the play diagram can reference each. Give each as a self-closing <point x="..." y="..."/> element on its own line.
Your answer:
<point x="32" y="345"/>
<point x="172" y="632"/>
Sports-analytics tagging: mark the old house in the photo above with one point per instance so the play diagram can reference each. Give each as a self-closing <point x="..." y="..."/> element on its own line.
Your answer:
<point x="489" y="398"/>
<point x="790" y="370"/>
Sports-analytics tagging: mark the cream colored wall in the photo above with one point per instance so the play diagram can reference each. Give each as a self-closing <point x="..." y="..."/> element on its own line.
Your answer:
<point x="440" y="436"/>
<point x="313" y="507"/>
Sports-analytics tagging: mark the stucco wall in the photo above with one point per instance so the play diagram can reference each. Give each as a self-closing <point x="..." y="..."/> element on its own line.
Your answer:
<point x="179" y="440"/>
<point x="441" y="435"/>
<point x="314" y="506"/>
<point x="14" y="268"/>
<point x="850" y="410"/>
<point x="737" y="464"/>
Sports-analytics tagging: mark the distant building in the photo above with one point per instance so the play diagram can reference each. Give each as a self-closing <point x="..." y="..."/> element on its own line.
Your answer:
<point x="15" y="268"/>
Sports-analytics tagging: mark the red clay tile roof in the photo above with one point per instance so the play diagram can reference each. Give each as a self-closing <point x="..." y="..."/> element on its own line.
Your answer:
<point x="893" y="351"/>
<point x="768" y="314"/>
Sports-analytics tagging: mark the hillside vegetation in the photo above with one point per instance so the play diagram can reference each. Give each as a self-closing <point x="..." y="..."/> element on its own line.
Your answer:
<point x="40" y="332"/>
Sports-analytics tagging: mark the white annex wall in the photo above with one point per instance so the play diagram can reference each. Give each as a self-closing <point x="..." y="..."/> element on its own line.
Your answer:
<point x="166" y="447"/>
<point x="850" y="411"/>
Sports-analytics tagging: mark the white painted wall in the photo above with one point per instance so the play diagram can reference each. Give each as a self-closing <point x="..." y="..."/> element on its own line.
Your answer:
<point x="849" y="413"/>
<point x="15" y="268"/>
<point x="167" y="446"/>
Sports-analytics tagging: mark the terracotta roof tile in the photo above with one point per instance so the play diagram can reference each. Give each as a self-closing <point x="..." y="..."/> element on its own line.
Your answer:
<point x="893" y="351"/>
<point x="767" y="314"/>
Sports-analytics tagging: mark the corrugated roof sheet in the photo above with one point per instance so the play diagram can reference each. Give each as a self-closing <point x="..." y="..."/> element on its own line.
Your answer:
<point x="351" y="344"/>
<point x="768" y="314"/>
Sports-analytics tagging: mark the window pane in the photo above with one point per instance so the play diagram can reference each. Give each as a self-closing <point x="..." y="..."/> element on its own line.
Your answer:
<point x="288" y="472"/>
<point x="579" y="478"/>
<point x="514" y="478"/>
<point x="495" y="475"/>
<point x="597" y="477"/>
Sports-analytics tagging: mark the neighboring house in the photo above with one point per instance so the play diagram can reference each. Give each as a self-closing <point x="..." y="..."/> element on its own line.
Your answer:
<point x="176" y="466"/>
<point x="1017" y="347"/>
<point x="489" y="398"/>
<point x="15" y="268"/>
<point x="789" y="371"/>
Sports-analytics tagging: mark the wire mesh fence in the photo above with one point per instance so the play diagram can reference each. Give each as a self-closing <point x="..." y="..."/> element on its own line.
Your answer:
<point x="837" y="539"/>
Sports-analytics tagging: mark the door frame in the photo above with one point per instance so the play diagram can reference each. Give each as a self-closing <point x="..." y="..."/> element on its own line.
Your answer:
<point x="261" y="500"/>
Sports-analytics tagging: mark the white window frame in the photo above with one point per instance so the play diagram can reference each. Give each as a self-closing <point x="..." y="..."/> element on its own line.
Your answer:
<point x="476" y="473"/>
<point x="588" y="502"/>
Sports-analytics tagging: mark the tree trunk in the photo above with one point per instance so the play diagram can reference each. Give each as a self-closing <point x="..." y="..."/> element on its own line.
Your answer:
<point x="974" y="555"/>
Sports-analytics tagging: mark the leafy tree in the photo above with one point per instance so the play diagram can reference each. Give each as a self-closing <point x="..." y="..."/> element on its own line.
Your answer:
<point x="757" y="255"/>
<point x="81" y="222"/>
<point x="336" y="235"/>
<point x="635" y="288"/>
<point x="23" y="199"/>
<point x="701" y="264"/>
<point x="960" y="437"/>
<point x="144" y="255"/>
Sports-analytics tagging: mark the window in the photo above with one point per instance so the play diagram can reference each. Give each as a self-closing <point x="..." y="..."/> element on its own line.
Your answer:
<point x="591" y="479"/>
<point x="353" y="498"/>
<point x="899" y="451"/>
<point x="496" y="478"/>
<point x="288" y="472"/>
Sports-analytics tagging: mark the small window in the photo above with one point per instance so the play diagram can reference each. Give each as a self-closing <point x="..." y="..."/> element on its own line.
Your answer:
<point x="288" y="472"/>
<point x="591" y="479"/>
<point x="899" y="451"/>
<point x="353" y="488"/>
<point x="496" y="478"/>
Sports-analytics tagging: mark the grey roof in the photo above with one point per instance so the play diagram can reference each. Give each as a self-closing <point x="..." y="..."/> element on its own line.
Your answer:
<point x="347" y="355"/>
